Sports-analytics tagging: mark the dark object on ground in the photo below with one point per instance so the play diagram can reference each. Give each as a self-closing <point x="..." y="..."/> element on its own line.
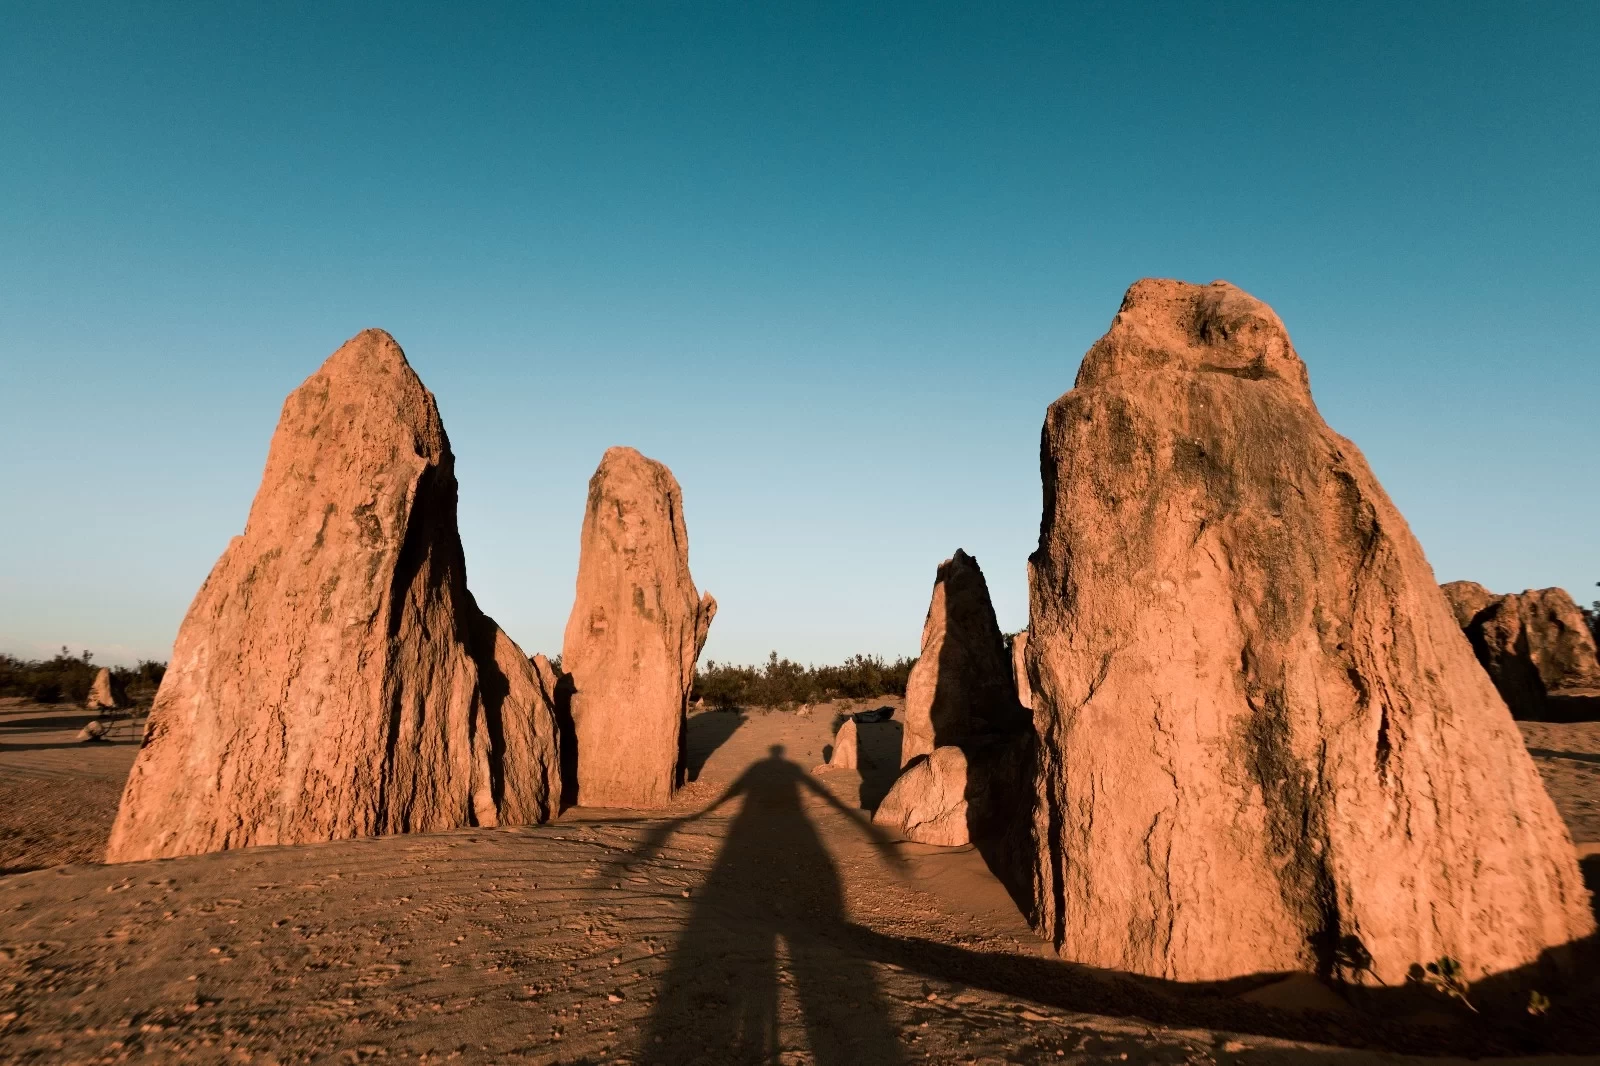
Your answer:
<point x="880" y="714"/>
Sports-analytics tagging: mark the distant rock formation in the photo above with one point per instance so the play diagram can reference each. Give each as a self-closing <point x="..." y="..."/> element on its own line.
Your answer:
<point x="334" y="677"/>
<point x="1263" y="746"/>
<point x="106" y="693"/>
<point x="1536" y="647"/>
<point x="636" y="630"/>
<point x="1019" y="669"/>
<point x="961" y="685"/>
<point x="846" y="753"/>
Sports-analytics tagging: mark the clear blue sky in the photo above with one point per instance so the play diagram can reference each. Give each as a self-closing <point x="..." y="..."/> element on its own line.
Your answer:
<point x="830" y="262"/>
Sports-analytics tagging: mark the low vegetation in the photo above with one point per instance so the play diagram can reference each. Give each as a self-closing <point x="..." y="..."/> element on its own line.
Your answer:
<point x="782" y="683"/>
<point x="68" y="677"/>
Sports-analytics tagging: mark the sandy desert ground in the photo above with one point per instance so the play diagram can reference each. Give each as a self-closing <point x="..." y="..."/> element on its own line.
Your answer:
<point x="760" y="919"/>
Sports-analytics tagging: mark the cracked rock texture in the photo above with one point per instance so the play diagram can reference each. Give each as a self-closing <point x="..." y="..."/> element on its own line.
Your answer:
<point x="928" y="802"/>
<point x="1264" y="745"/>
<point x="1536" y="647"/>
<point x="636" y="630"/>
<point x="334" y="677"/>
<point x="961" y="685"/>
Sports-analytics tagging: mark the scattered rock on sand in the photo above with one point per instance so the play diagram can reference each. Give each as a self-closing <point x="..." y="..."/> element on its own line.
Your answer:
<point x="1536" y="647"/>
<point x="1264" y="747"/>
<point x="334" y="677"/>
<point x="636" y="630"/>
<point x="106" y="693"/>
<point x="961" y="685"/>
<point x="93" y="730"/>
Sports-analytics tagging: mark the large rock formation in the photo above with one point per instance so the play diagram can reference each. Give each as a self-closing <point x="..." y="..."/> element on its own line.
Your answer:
<point x="334" y="677"/>
<point x="106" y="693"/>
<point x="961" y="685"/>
<point x="1536" y="647"/>
<point x="636" y="629"/>
<point x="1264" y="745"/>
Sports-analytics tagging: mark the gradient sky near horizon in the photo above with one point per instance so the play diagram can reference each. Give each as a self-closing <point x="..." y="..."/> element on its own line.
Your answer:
<point x="828" y="261"/>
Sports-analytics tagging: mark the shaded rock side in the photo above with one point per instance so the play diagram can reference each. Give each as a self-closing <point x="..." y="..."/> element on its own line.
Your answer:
<point x="1536" y="647"/>
<point x="961" y="685"/>
<point x="636" y="630"/>
<point x="1263" y="745"/>
<point x="334" y="677"/>
<point x="106" y="693"/>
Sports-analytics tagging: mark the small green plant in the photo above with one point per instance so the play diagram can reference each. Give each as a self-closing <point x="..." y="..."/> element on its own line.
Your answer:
<point x="1448" y="977"/>
<point x="1538" y="1003"/>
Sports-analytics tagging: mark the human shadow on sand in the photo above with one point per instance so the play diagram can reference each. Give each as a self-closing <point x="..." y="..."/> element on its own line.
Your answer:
<point x="770" y="915"/>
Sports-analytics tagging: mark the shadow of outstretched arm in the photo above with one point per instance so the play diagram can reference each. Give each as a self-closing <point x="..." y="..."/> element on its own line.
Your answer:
<point x="657" y="838"/>
<point x="877" y="837"/>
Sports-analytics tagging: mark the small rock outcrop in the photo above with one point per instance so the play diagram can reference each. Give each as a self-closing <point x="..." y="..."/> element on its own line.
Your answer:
<point x="846" y="749"/>
<point x="961" y="685"/>
<point x="1263" y="746"/>
<point x="1536" y="647"/>
<point x="928" y="802"/>
<point x="106" y="694"/>
<point x="334" y="677"/>
<point x="636" y="630"/>
<point x="93" y="730"/>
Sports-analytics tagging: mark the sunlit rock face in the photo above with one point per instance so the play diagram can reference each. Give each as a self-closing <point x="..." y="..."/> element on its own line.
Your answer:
<point x="334" y="677"/>
<point x="636" y="630"/>
<point x="1263" y="743"/>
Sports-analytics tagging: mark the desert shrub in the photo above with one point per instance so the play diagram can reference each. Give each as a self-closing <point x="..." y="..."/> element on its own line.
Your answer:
<point x="783" y="682"/>
<point x="1591" y="614"/>
<point x="69" y="677"/>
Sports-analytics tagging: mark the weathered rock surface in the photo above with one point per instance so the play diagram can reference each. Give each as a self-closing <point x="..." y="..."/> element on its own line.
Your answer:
<point x="636" y="630"/>
<point x="1467" y="599"/>
<point x="106" y="693"/>
<point x="928" y="802"/>
<point x="334" y="677"/>
<point x="978" y="794"/>
<point x="1262" y="740"/>
<point x="961" y="685"/>
<point x="1019" y="669"/>
<point x="1536" y="647"/>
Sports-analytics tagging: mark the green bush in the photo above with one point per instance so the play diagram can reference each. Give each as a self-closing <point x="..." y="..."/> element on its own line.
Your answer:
<point x="783" y="682"/>
<point x="69" y="677"/>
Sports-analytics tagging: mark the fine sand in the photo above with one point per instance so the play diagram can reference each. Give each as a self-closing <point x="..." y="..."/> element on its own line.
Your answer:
<point x="774" y="926"/>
